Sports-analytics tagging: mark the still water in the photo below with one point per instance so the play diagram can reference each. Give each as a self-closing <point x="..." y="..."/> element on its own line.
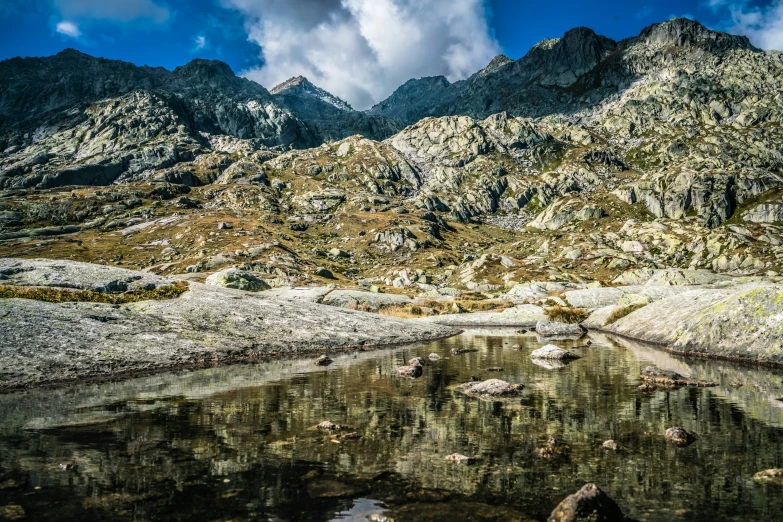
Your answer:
<point x="238" y="442"/>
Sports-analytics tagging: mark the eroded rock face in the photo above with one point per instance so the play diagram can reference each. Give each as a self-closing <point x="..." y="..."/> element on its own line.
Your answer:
<point x="589" y="504"/>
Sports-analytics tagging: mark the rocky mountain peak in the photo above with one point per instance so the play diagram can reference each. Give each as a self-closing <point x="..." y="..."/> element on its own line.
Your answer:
<point x="497" y="63"/>
<point x="560" y="61"/>
<point x="301" y="86"/>
<point x="682" y="32"/>
<point x="205" y="70"/>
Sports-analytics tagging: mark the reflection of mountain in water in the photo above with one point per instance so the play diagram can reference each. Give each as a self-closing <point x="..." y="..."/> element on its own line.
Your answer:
<point x="238" y="442"/>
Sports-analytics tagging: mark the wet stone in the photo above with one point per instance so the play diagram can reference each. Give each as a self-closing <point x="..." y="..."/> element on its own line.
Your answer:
<point x="492" y="389"/>
<point x="679" y="436"/>
<point x="588" y="504"/>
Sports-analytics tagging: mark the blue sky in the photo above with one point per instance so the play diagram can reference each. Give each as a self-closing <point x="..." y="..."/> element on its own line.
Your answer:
<point x="358" y="49"/>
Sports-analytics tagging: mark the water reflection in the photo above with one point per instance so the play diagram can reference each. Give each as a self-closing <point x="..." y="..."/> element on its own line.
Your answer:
<point x="238" y="443"/>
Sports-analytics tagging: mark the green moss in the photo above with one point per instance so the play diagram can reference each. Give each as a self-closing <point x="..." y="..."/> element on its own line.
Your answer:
<point x="59" y="295"/>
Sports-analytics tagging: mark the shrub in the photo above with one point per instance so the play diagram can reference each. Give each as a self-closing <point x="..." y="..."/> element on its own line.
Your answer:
<point x="562" y="314"/>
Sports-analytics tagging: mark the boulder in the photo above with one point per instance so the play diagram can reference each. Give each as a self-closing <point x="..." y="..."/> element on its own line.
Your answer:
<point x="238" y="280"/>
<point x="679" y="436"/>
<point x="555" y="330"/>
<point x="589" y="504"/>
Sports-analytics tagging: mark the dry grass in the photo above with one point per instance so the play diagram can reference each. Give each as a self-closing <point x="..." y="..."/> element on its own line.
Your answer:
<point x="401" y="311"/>
<point x="561" y="314"/>
<point x="620" y="312"/>
<point x="59" y="295"/>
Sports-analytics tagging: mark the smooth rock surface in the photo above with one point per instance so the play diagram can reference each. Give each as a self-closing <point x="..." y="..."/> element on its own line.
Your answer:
<point x="518" y="316"/>
<point x="73" y="341"/>
<point x="76" y="275"/>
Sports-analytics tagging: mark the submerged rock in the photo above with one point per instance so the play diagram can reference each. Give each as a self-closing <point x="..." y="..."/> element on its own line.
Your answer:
<point x="459" y="458"/>
<point x="327" y="426"/>
<point x="434" y="357"/>
<point x="770" y="476"/>
<point x="491" y="389"/>
<point x="323" y="361"/>
<point x="610" y="445"/>
<point x="655" y="375"/>
<point x="678" y="436"/>
<point x="589" y="504"/>
<point x="553" y="352"/>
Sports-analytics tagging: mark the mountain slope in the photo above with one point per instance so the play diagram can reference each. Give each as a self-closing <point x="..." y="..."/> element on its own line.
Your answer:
<point x="584" y="158"/>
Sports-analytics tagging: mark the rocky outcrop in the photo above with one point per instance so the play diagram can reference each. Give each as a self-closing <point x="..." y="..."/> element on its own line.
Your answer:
<point x="740" y="322"/>
<point x="75" y="341"/>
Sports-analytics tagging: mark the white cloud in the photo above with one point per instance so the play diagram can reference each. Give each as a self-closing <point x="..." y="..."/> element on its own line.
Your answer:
<point x="201" y="42"/>
<point x="361" y="50"/>
<point x="113" y="10"/>
<point x="68" y="29"/>
<point x="763" y="25"/>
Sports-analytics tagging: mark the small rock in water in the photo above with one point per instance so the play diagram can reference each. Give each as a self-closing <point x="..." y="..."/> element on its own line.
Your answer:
<point x="770" y="476"/>
<point x="12" y="512"/>
<point x="459" y="351"/>
<point x="327" y="426"/>
<point x="491" y="389"/>
<point x="551" y="351"/>
<point x="516" y="347"/>
<point x="678" y="436"/>
<point x="553" y="448"/>
<point x="323" y="361"/>
<point x="410" y="371"/>
<point x="459" y="458"/>
<point x="417" y="361"/>
<point x="434" y="357"/>
<point x="610" y="445"/>
<point x="589" y="503"/>
<point x="68" y="466"/>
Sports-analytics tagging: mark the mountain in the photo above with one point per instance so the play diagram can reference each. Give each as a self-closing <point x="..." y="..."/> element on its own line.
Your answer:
<point x="330" y="117"/>
<point x="584" y="158"/>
